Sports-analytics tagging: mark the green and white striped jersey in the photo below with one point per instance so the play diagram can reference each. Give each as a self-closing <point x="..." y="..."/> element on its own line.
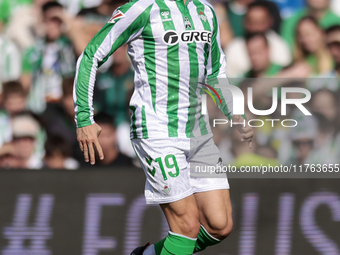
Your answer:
<point x="170" y="44"/>
<point x="10" y="61"/>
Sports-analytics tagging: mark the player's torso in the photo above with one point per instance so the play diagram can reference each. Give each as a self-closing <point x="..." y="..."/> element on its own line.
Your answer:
<point x="172" y="49"/>
<point x="178" y="35"/>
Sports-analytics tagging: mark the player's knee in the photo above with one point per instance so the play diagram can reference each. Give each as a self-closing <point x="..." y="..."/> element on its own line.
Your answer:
<point x="225" y="232"/>
<point x="220" y="229"/>
<point x="191" y="227"/>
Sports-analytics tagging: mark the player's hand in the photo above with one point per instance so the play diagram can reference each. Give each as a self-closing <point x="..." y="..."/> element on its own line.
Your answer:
<point x="246" y="131"/>
<point x="88" y="139"/>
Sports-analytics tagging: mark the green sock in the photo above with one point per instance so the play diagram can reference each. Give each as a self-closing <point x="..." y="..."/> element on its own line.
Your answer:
<point x="204" y="239"/>
<point x="175" y="244"/>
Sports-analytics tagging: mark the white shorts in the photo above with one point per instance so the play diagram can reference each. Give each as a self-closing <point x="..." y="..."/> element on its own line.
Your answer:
<point x="166" y="163"/>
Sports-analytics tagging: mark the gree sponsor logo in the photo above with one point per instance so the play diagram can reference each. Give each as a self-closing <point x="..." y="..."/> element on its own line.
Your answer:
<point x="171" y="37"/>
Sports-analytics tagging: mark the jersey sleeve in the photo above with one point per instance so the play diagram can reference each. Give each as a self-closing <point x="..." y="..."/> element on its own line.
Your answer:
<point x="126" y="24"/>
<point x="216" y="70"/>
<point x="216" y="67"/>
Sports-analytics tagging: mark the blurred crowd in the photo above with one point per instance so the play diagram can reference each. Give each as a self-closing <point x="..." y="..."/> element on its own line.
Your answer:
<point x="295" y="41"/>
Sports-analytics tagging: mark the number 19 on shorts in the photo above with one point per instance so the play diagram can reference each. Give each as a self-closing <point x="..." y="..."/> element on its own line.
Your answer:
<point x="170" y="163"/>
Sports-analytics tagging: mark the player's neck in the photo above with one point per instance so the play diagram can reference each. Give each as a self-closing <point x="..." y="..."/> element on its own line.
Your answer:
<point x="185" y="1"/>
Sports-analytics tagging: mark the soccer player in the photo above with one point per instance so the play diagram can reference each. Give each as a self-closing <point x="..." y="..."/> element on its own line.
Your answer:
<point x="170" y="43"/>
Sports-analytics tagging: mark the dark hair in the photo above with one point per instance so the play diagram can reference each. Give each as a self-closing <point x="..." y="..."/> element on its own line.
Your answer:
<point x="262" y="4"/>
<point x="12" y="87"/>
<point x="272" y="10"/>
<point x="308" y="18"/>
<point x="104" y="118"/>
<point x="57" y="144"/>
<point x="331" y="29"/>
<point x="67" y="86"/>
<point x="305" y="18"/>
<point x="250" y="36"/>
<point x="51" y="5"/>
<point x="117" y="2"/>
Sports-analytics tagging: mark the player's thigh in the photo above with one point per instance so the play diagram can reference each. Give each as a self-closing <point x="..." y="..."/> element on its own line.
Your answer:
<point x="215" y="211"/>
<point x="183" y="216"/>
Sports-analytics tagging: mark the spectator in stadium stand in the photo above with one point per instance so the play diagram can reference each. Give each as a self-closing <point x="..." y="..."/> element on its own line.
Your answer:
<point x="302" y="139"/>
<point x="14" y="102"/>
<point x="325" y="103"/>
<point x="226" y="32"/>
<point x="10" y="60"/>
<point x="112" y="95"/>
<point x="259" y="54"/>
<point x="243" y="156"/>
<point x="81" y="28"/>
<point x="319" y="9"/>
<point x="311" y="48"/>
<point x="48" y="62"/>
<point x="114" y="87"/>
<point x="333" y="43"/>
<point x="109" y="143"/>
<point x="235" y="12"/>
<point x="325" y="107"/>
<point x="24" y="146"/>
<point x="289" y="7"/>
<point x="258" y="19"/>
<point x="74" y="6"/>
<point x="100" y="14"/>
<point x="59" y="118"/>
<point x="8" y="158"/>
<point x="9" y="7"/>
<point x="58" y="154"/>
<point x="335" y="7"/>
<point x="25" y="24"/>
<point x="329" y="79"/>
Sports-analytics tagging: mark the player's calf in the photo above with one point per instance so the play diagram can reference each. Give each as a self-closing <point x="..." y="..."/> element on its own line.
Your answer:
<point x="183" y="217"/>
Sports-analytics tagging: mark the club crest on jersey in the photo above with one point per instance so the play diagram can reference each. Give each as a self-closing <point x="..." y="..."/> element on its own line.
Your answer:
<point x="166" y="190"/>
<point x="116" y="16"/>
<point x="187" y="23"/>
<point x="202" y="16"/>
